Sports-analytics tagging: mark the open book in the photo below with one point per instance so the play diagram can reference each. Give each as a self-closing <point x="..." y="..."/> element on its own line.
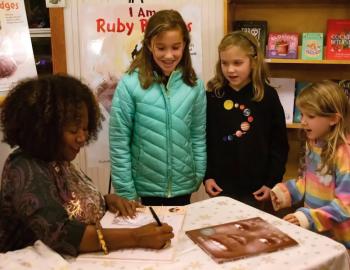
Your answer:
<point x="239" y="239"/>
<point x="173" y="215"/>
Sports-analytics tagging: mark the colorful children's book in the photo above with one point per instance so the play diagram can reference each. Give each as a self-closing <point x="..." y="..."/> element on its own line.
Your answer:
<point x="257" y="28"/>
<point x="285" y="88"/>
<point x="299" y="86"/>
<point x="240" y="239"/>
<point x="173" y="215"/>
<point x="282" y="45"/>
<point x="312" y="46"/>
<point x="338" y="40"/>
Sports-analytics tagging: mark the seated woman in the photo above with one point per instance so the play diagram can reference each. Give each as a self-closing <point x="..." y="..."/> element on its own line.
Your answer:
<point x="43" y="197"/>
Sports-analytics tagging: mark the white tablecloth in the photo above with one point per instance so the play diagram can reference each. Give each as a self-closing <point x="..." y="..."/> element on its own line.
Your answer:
<point x="313" y="252"/>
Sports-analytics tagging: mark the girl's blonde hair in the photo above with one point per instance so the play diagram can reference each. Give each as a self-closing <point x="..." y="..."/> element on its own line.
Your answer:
<point x="249" y="44"/>
<point x="327" y="99"/>
<point x="160" y="22"/>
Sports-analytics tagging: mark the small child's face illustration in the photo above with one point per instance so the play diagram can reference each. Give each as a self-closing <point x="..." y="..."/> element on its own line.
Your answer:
<point x="236" y="67"/>
<point x="315" y="126"/>
<point x="167" y="50"/>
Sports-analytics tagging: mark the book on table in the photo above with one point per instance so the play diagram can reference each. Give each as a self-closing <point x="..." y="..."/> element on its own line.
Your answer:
<point x="173" y="215"/>
<point x="240" y="239"/>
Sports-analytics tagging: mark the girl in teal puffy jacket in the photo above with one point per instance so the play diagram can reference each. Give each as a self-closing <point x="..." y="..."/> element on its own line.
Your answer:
<point x="158" y="121"/>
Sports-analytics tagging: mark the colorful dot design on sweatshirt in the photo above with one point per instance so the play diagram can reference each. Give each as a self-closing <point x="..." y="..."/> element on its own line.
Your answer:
<point x="245" y="125"/>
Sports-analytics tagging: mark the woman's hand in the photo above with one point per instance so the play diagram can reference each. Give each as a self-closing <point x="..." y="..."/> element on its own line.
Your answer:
<point x="212" y="188"/>
<point x="153" y="236"/>
<point x="262" y="194"/>
<point x="116" y="204"/>
<point x="292" y="219"/>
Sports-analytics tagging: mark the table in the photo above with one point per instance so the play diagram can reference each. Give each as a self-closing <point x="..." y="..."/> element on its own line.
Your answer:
<point x="313" y="252"/>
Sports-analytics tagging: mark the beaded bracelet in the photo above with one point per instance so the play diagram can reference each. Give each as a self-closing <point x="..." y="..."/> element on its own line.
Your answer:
<point x="100" y="237"/>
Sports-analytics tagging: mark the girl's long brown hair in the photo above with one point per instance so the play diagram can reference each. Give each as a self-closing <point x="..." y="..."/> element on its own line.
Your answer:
<point x="161" y="21"/>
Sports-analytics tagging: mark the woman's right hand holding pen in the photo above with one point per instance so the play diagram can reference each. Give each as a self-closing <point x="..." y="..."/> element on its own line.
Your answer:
<point x="153" y="236"/>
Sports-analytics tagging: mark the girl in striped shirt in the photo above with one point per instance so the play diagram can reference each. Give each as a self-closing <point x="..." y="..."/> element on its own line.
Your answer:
<point x="324" y="181"/>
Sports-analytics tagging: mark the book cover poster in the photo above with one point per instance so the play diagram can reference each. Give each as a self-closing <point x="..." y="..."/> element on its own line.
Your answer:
<point x="312" y="46"/>
<point x="240" y="239"/>
<point x="16" y="53"/>
<point x="282" y="45"/>
<point x="110" y="34"/>
<point x="338" y="40"/>
<point x="257" y="28"/>
<point x="285" y="89"/>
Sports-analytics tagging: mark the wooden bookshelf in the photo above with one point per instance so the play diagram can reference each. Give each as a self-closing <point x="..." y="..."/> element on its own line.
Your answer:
<point x="295" y="16"/>
<point x="294" y="125"/>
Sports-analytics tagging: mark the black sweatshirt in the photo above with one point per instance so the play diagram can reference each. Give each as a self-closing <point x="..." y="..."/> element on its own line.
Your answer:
<point x="242" y="164"/>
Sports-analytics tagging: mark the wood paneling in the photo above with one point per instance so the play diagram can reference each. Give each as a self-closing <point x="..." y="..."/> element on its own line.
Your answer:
<point x="58" y="44"/>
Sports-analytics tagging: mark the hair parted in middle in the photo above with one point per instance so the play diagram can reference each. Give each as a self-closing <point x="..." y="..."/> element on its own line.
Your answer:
<point x="327" y="99"/>
<point x="161" y="21"/>
<point x="249" y="44"/>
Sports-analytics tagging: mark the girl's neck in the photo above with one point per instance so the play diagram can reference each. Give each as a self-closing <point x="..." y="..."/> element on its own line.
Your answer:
<point x="238" y="88"/>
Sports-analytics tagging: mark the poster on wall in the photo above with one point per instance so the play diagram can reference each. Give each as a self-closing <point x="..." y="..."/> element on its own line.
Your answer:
<point x="16" y="53"/>
<point x="111" y="32"/>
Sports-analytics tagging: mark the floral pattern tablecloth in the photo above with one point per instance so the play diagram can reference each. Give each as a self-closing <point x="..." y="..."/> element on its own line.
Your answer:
<point x="313" y="252"/>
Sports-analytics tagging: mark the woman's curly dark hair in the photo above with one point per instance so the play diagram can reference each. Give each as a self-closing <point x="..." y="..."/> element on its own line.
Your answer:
<point x="35" y="111"/>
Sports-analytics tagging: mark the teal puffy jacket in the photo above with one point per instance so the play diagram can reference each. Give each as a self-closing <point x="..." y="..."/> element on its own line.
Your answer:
<point x="157" y="137"/>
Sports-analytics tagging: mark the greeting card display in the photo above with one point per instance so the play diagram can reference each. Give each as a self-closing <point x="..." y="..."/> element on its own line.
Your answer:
<point x="257" y="28"/>
<point x="240" y="239"/>
<point x="282" y="45"/>
<point x="338" y="40"/>
<point x="312" y="46"/>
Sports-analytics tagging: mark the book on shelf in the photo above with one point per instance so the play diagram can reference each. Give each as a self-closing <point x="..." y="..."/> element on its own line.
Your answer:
<point x="338" y="39"/>
<point x="240" y="239"/>
<point x="173" y="215"/>
<point x="282" y="45"/>
<point x="345" y="84"/>
<point x="299" y="86"/>
<point x="285" y="89"/>
<point x="257" y="28"/>
<point x="312" y="46"/>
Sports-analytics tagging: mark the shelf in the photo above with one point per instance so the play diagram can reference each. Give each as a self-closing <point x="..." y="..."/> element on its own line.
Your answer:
<point x="294" y="125"/>
<point x="40" y="32"/>
<point x="302" y="61"/>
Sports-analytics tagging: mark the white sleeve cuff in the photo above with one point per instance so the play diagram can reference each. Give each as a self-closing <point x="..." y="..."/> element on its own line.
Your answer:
<point x="303" y="221"/>
<point x="282" y="196"/>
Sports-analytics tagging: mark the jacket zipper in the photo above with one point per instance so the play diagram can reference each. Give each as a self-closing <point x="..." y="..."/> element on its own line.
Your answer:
<point x="169" y="138"/>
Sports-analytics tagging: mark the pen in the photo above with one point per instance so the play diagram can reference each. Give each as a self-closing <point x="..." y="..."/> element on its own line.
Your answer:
<point x="155" y="216"/>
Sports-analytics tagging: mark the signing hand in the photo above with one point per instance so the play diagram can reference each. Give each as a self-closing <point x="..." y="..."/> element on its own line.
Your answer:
<point x="153" y="236"/>
<point x="212" y="188"/>
<point x="262" y="194"/>
<point x="116" y="203"/>
<point x="292" y="219"/>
